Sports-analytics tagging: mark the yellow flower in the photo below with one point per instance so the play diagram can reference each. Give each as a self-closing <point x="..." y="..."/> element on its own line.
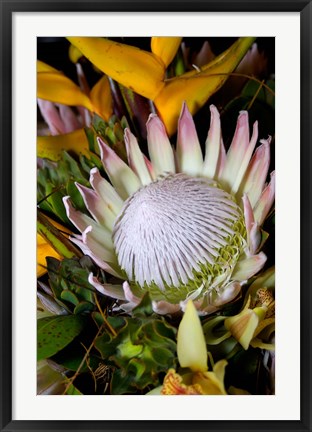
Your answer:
<point x="145" y="73"/>
<point x="255" y="323"/>
<point x="46" y="248"/>
<point x="193" y="355"/>
<point x="56" y="95"/>
<point x="54" y="86"/>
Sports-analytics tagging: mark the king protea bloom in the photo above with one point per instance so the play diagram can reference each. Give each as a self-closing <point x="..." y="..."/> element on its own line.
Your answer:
<point x="178" y="225"/>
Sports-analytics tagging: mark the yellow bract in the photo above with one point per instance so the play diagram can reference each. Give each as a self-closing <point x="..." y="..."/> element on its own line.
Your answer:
<point x="74" y="54"/>
<point x="51" y="147"/>
<point x="243" y="326"/>
<point x="144" y="72"/>
<point x="141" y="71"/>
<point x="101" y="98"/>
<point x="43" y="67"/>
<point x="44" y="249"/>
<point x="191" y="344"/>
<point x="193" y="354"/>
<point x="136" y="69"/>
<point x="212" y="383"/>
<point x="196" y="87"/>
<point x="165" y="48"/>
<point x="56" y="87"/>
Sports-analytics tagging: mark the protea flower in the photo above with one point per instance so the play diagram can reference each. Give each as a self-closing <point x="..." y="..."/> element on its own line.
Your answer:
<point x="178" y="225"/>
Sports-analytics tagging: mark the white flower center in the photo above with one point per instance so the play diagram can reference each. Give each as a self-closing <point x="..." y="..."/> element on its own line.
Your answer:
<point x="172" y="229"/>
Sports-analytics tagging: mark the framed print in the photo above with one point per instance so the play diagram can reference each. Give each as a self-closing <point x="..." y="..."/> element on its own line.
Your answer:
<point x="155" y="215"/>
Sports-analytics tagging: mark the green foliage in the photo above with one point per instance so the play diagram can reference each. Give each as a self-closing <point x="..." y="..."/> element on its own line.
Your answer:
<point x="112" y="132"/>
<point x="245" y="370"/>
<point x="143" y="350"/>
<point x="253" y="88"/>
<point x="69" y="283"/>
<point x="73" y="391"/>
<point x="54" y="333"/>
<point x="139" y="349"/>
<point x="259" y="102"/>
<point x="57" y="179"/>
<point x="72" y="355"/>
<point x="54" y="237"/>
<point x="49" y="380"/>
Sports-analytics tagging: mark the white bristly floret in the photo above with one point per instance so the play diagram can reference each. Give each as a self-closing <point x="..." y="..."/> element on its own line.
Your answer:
<point x="169" y="227"/>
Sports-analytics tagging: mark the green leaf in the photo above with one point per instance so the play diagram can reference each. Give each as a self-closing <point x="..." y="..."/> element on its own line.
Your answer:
<point x="121" y="383"/>
<point x="73" y="167"/>
<point x="128" y="350"/>
<point x="119" y="132"/>
<point x="53" y="269"/>
<point x="69" y="297"/>
<point x="116" y="322"/>
<point x="50" y="304"/>
<point x="95" y="159"/>
<point x="85" y="163"/>
<point x="144" y="308"/>
<point x="99" y="124"/>
<point x="72" y="355"/>
<point x="111" y="133"/>
<point x="143" y="349"/>
<point x="263" y="95"/>
<point x="75" y="196"/>
<point x="56" y="203"/>
<point x="260" y="110"/>
<point x="83" y="307"/>
<point x="243" y="370"/>
<point x="49" y="381"/>
<point x="106" y="345"/>
<point x="110" y="137"/>
<point x="97" y="318"/>
<point x="161" y="355"/>
<point x="56" y="179"/>
<point x="59" y="242"/>
<point x="73" y="391"/>
<point x="91" y="136"/>
<point x="69" y="281"/>
<point x="54" y="333"/>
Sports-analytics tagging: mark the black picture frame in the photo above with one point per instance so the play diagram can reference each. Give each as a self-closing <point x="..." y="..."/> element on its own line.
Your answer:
<point x="8" y="7"/>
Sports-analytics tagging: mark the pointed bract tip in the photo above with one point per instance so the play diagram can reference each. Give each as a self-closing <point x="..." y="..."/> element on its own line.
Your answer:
<point x="80" y="187"/>
<point x="214" y="111"/>
<point x="105" y="149"/>
<point x="191" y="344"/>
<point x="151" y="117"/>
<point x="185" y="111"/>
<point x="154" y="123"/>
<point x="127" y="133"/>
<point x="242" y="120"/>
<point x="266" y="141"/>
<point x="128" y="137"/>
<point x="65" y="199"/>
<point x="67" y="205"/>
<point x="85" y="233"/>
<point x="94" y="171"/>
<point x="243" y="113"/>
<point x="102" y="144"/>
